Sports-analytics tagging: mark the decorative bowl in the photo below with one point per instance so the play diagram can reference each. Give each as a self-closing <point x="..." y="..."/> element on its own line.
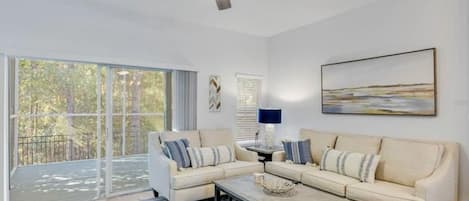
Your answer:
<point x="277" y="185"/>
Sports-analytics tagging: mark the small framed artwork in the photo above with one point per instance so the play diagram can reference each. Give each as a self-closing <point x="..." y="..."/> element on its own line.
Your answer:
<point x="397" y="84"/>
<point x="214" y="101"/>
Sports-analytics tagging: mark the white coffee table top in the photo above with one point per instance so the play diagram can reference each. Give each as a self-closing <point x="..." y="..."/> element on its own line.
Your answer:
<point x="245" y="188"/>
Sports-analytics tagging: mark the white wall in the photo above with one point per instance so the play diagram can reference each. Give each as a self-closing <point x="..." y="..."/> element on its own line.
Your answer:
<point x="73" y="30"/>
<point x="79" y="31"/>
<point x="381" y="28"/>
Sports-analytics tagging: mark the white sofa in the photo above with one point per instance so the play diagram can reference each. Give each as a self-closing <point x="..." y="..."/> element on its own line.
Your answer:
<point x="195" y="184"/>
<point x="409" y="170"/>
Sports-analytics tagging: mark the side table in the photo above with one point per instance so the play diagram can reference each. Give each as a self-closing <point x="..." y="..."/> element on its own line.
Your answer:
<point x="264" y="152"/>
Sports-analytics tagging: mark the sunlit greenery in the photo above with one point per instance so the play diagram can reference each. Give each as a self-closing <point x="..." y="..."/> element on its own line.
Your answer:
<point x="60" y="99"/>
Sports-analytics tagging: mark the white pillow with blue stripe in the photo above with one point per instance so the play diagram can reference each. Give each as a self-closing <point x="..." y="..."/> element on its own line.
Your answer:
<point x="357" y="165"/>
<point x="299" y="152"/>
<point x="177" y="151"/>
<point x="210" y="156"/>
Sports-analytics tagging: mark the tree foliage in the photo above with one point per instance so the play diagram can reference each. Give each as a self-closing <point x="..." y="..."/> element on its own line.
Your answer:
<point x="58" y="98"/>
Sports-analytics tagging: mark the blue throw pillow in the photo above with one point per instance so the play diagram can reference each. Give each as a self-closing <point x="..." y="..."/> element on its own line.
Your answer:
<point x="298" y="151"/>
<point x="177" y="151"/>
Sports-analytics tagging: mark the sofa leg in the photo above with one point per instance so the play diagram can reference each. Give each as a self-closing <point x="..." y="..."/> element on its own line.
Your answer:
<point x="155" y="193"/>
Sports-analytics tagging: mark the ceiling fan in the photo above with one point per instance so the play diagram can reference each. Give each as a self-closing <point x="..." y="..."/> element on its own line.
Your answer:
<point x="223" y="4"/>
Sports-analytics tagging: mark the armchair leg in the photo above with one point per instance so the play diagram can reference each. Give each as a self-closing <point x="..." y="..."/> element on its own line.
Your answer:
<point x="155" y="193"/>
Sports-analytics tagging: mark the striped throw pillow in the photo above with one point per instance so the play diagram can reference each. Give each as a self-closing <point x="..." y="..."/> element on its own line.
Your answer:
<point x="177" y="151"/>
<point x="210" y="156"/>
<point x="225" y="154"/>
<point x="299" y="152"/>
<point x="357" y="165"/>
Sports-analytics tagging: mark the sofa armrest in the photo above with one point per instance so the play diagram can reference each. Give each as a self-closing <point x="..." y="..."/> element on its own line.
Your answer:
<point x="161" y="168"/>
<point x="442" y="185"/>
<point x="278" y="156"/>
<point x="243" y="154"/>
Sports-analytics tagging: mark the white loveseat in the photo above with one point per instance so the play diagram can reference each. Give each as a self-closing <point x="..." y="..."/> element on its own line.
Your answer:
<point x="195" y="184"/>
<point x="409" y="170"/>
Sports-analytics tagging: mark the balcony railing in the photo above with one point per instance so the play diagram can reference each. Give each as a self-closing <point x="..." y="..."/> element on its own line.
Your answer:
<point x="55" y="148"/>
<point x="58" y="148"/>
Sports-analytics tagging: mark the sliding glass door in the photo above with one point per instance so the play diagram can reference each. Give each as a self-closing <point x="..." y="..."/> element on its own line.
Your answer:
<point x="138" y="107"/>
<point x="53" y="131"/>
<point x="70" y="119"/>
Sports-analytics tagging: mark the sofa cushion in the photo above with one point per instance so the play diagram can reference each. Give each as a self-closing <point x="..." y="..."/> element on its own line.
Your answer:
<point x="319" y="142"/>
<point x="298" y="151"/>
<point x="176" y="151"/>
<point x="358" y="143"/>
<point x="357" y="165"/>
<point x="224" y="154"/>
<point x="215" y="137"/>
<point x="207" y="156"/>
<point x="241" y="168"/>
<point x="287" y="170"/>
<point x="195" y="177"/>
<point x="381" y="191"/>
<point x="192" y="136"/>
<point x="405" y="161"/>
<point x="328" y="181"/>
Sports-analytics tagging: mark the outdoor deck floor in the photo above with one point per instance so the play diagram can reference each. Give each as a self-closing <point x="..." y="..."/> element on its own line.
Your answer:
<point x="76" y="180"/>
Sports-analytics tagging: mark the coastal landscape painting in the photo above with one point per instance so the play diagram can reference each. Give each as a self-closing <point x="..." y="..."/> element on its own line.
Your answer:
<point x="399" y="84"/>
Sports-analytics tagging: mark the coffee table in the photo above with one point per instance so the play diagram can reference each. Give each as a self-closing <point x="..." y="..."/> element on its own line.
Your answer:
<point x="245" y="189"/>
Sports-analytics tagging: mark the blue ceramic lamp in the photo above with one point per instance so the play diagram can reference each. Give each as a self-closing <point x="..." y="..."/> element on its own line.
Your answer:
<point x="270" y="117"/>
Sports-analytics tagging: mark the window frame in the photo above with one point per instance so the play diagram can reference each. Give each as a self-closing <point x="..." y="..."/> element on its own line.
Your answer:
<point x="243" y="140"/>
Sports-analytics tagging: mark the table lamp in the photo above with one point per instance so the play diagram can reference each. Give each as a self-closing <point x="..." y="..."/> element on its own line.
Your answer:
<point x="269" y="117"/>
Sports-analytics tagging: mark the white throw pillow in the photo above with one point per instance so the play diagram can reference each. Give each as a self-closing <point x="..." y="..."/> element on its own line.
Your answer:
<point x="357" y="165"/>
<point x="210" y="156"/>
<point x="225" y="154"/>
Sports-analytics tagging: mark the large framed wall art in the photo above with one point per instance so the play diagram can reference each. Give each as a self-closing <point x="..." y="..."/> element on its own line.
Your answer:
<point x="397" y="84"/>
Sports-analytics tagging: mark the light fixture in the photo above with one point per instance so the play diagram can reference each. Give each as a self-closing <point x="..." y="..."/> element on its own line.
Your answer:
<point x="223" y="4"/>
<point x="270" y="117"/>
<point x="124" y="72"/>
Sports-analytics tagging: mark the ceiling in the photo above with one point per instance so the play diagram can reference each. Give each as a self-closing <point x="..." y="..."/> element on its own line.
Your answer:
<point x="257" y="17"/>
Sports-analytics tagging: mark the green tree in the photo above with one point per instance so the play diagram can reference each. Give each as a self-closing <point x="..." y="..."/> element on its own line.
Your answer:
<point x="50" y="91"/>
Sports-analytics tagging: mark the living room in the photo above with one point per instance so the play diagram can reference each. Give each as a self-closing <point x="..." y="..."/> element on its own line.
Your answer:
<point x="272" y="53"/>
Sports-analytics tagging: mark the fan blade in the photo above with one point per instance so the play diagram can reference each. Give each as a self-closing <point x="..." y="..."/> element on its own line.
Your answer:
<point x="223" y="4"/>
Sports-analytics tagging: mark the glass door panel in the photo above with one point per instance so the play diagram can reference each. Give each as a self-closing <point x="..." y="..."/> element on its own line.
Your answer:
<point x="138" y="107"/>
<point x="70" y="119"/>
<point x="54" y="130"/>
